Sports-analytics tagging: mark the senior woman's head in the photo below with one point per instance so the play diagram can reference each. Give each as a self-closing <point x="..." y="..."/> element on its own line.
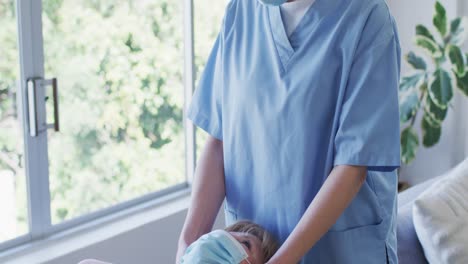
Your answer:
<point x="255" y="239"/>
<point x="243" y="242"/>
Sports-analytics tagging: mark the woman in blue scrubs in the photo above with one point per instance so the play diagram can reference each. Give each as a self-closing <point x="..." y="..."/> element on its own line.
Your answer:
<point x="304" y="130"/>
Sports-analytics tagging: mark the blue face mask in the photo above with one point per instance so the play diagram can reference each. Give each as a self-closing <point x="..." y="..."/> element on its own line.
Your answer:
<point x="215" y="247"/>
<point x="273" y="2"/>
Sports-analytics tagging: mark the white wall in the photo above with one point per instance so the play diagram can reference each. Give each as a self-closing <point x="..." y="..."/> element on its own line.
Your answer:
<point x="452" y="147"/>
<point x="152" y="243"/>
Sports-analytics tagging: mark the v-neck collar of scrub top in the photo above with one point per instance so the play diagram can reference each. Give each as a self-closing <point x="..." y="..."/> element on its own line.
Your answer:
<point x="286" y="46"/>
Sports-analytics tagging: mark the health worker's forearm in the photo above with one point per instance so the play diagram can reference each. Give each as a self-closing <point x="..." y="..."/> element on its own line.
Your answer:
<point x="337" y="192"/>
<point x="208" y="192"/>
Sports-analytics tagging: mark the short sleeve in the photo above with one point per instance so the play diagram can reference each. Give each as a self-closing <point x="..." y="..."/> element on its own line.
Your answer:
<point x="368" y="132"/>
<point x="205" y="109"/>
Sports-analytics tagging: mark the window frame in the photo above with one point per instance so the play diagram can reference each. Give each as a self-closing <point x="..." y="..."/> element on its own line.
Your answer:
<point x="31" y="58"/>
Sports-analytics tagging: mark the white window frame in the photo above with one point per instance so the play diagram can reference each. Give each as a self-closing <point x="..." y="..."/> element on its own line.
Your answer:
<point x="31" y="58"/>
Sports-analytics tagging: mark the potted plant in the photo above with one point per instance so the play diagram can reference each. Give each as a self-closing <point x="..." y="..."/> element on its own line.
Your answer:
<point x="430" y="90"/>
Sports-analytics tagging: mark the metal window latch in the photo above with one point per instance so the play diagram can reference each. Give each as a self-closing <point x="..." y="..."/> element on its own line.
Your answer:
<point x="36" y="92"/>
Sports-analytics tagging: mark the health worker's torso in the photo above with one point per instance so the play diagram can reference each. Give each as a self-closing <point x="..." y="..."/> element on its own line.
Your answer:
<point x="281" y="103"/>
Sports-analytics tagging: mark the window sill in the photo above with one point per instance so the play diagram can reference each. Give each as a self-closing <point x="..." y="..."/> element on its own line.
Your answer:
<point x="97" y="230"/>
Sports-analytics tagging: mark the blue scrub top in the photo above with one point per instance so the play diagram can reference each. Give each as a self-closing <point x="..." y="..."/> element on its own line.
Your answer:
<point x="290" y="109"/>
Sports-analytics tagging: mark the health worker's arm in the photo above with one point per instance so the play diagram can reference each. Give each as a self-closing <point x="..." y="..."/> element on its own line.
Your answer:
<point x="208" y="192"/>
<point x="337" y="192"/>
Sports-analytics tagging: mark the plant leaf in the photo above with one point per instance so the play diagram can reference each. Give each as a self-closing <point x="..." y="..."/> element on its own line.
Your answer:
<point x="457" y="57"/>
<point x="436" y="113"/>
<point x="458" y="30"/>
<point x="423" y="31"/>
<point x="431" y="134"/>
<point x="440" y="19"/>
<point x="410" y="81"/>
<point x="462" y="83"/>
<point x="428" y="45"/>
<point x="416" y="61"/>
<point x="455" y="25"/>
<point x="409" y="143"/>
<point x="429" y="119"/>
<point x="441" y="88"/>
<point x="409" y="105"/>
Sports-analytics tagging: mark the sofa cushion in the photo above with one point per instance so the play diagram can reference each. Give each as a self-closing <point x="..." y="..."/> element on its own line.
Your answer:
<point x="409" y="195"/>
<point x="409" y="248"/>
<point x="440" y="217"/>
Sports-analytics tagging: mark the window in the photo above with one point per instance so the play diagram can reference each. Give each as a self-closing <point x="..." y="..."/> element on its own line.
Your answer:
<point x="112" y="77"/>
<point x="13" y="221"/>
<point x="122" y="85"/>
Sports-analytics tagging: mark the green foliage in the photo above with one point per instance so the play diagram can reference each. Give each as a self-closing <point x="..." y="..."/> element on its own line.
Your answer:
<point x="119" y="66"/>
<point x="431" y="88"/>
<point x="409" y="106"/>
<point x="457" y="57"/>
<point x="440" y="89"/>
<point x="431" y="132"/>
<point x="434" y="112"/>
<point x="462" y="83"/>
<point x="440" y="19"/>
<point x="428" y="45"/>
<point x="410" y="82"/>
<point x="416" y="61"/>
<point x="409" y="142"/>
<point x="421" y="30"/>
<point x="121" y="97"/>
<point x="457" y="30"/>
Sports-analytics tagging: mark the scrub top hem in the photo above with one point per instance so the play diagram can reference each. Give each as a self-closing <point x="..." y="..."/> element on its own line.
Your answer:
<point x="373" y="161"/>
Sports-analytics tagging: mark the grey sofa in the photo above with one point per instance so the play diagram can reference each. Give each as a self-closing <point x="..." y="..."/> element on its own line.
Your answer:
<point x="409" y="248"/>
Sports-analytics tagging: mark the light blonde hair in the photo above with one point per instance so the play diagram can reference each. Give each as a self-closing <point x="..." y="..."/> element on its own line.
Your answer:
<point x="268" y="242"/>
